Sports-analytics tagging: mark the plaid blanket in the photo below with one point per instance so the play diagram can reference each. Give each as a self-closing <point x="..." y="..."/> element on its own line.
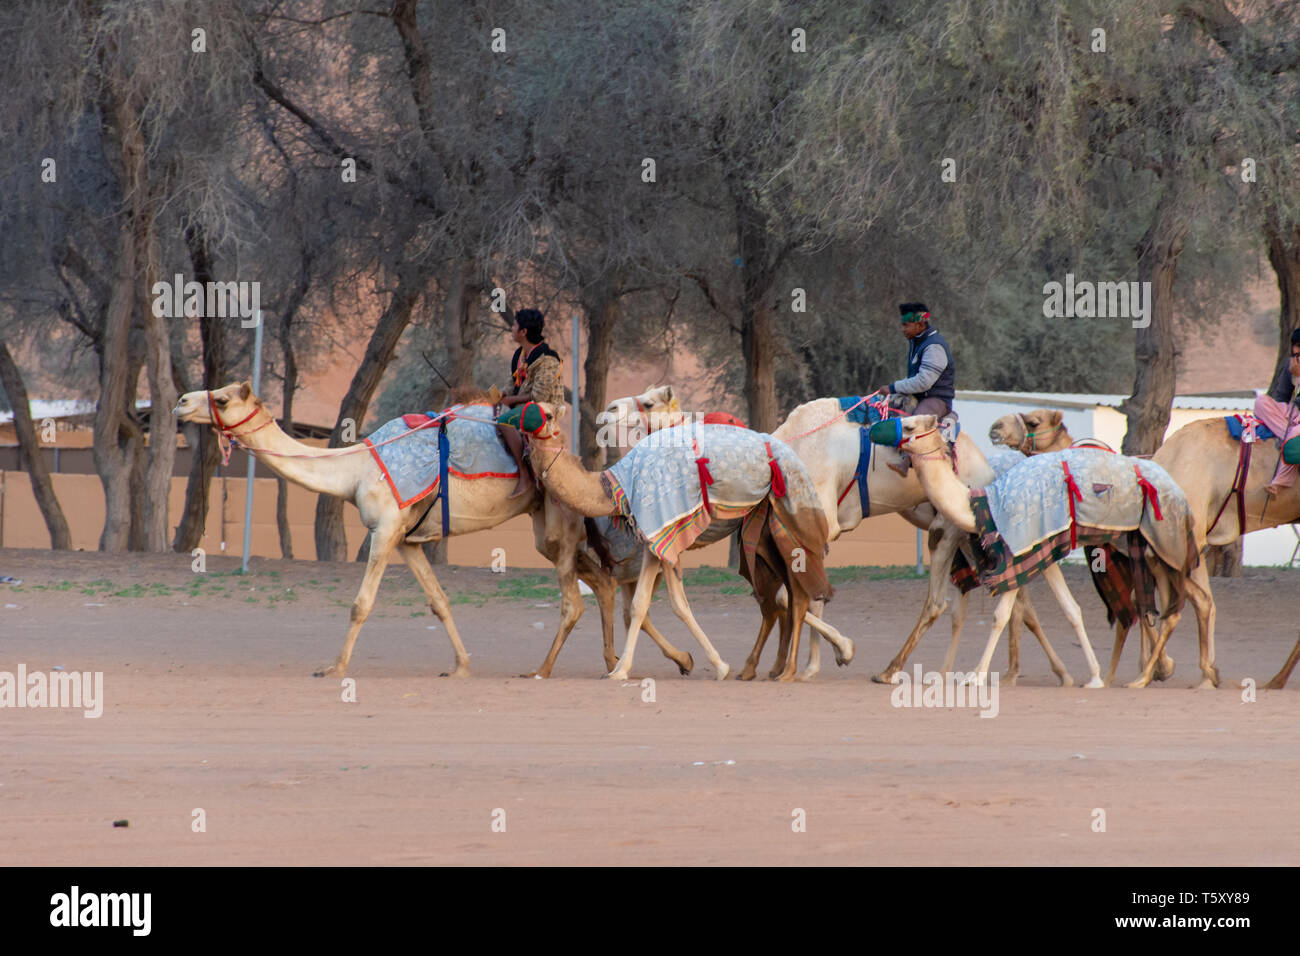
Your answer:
<point x="1122" y="578"/>
<point x="657" y="484"/>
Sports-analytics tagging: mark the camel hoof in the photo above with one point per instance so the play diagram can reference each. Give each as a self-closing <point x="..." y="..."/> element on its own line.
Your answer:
<point x="806" y="676"/>
<point x="723" y="671"/>
<point x="458" y="672"/>
<point x="746" y="674"/>
<point x="616" y="675"/>
<point x="1208" y="683"/>
<point x="884" y="677"/>
<point x="686" y="668"/>
<point x="1066" y="680"/>
<point x="1095" y="683"/>
<point x="843" y="658"/>
<point x="1137" y="684"/>
<point x="1011" y="680"/>
<point x="331" y="671"/>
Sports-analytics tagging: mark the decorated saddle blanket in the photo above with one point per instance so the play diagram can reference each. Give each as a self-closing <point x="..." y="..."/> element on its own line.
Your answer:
<point x="410" y="462"/>
<point x="1002" y="459"/>
<point x="675" y="482"/>
<point x="1237" y="425"/>
<point x="1045" y="494"/>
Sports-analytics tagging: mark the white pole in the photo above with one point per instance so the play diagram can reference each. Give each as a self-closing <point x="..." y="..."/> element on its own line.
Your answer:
<point x="252" y="461"/>
<point x="920" y="554"/>
<point x="577" y="448"/>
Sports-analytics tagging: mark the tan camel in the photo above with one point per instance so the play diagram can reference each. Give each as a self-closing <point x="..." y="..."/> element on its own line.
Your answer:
<point x="951" y="498"/>
<point x="1202" y="458"/>
<point x="1031" y="433"/>
<point x="563" y="475"/>
<point x="475" y="505"/>
<point x="828" y="444"/>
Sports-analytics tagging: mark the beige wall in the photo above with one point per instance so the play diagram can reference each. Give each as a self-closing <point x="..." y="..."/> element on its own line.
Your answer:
<point x="884" y="540"/>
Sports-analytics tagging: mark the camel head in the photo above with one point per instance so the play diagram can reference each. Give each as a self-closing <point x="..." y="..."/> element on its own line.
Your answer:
<point x="1038" y="429"/>
<point x="234" y="403"/>
<point x="545" y="430"/>
<point x="653" y="409"/>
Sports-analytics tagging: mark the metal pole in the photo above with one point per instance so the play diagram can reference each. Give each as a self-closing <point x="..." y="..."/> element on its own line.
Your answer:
<point x="252" y="461"/>
<point x="920" y="569"/>
<point x="577" y="449"/>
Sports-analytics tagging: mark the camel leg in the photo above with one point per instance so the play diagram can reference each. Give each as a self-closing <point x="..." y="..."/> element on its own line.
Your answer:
<point x="683" y="660"/>
<point x="1281" y="677"/>
<point x="1035" y="628"/>
<point x="606" y="591"/>
<point x="571" y="608"/>
<point x="958" y="622"/>
<point x="1001" y="615"/>
<point x="843" y="646"/>
<point x="645" y="583"/>
<point x="1070" y="608"/>
<point x="382" y="541"/>
<point x="413" y="554"/>
<point x="677" y="595"/>
<point x="1121" y="635"/>
<point x="1014" y="627"/>
<point x="1202" y="598"/>
<point x="936" y="601"/>
<point x="751" y="663"/>
<point x="782" y="652"/>
<point x="794" y="621"/>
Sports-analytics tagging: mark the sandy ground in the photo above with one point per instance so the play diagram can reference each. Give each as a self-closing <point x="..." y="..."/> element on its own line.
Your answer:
<point x="209" y="703"/>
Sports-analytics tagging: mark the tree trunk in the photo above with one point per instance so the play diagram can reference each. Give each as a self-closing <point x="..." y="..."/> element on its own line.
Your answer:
<point x="757" y="321"/>
<point x="116" y="434"/>
<point x="290" y="388"/>
<point x="602" y="311"/>
<point x="12" y="381"/>
<point x="1148" y="408"/>
<point x="203" y="463"/>
<point x="1284" y="255"/>
<point x="331" y="543"/>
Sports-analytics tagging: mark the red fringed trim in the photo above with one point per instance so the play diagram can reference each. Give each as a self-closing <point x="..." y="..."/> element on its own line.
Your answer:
<point x="1150" y="494"/>
<point x="1072" y="494"/>
<point x="706" y="479"/>
<point x="778" y="479"/>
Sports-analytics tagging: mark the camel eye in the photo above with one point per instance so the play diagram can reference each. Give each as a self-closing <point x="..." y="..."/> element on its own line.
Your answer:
<point x="222" y="401"/>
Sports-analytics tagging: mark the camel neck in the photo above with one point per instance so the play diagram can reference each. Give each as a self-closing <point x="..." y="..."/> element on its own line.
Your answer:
<point x="565" y="479"/>
<point x="322" y="470"/>
<point x="942" y="486"/>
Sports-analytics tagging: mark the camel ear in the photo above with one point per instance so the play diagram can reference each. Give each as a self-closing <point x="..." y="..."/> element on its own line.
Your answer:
<point x="245" y="390"/>
<point x="1055" y="417"/>
<point x="668" y="393"/>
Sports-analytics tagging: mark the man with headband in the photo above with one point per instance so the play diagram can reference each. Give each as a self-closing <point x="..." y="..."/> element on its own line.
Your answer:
<point x="930" y="372"/>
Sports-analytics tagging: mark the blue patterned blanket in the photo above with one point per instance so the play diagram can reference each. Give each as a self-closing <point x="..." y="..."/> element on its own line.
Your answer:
<point x="1029" y="502"/>
<point x="657" y="483"/>
<point x="410" y="464"/>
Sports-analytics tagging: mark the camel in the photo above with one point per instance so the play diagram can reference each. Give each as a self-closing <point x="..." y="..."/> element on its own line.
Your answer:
<point x="1031" y="433"/>
<point x="597" y="494"/>
<point x="828" y="444"/>
<point x="919" y="434"/>
<point x="1202" y="458"/>
<point x="475" y="505"/>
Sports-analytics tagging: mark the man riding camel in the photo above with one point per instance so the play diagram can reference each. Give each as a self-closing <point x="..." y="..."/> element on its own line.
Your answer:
<point x="930" y="367"/>
<point x="535" y="374"/>
<point x="1279" y="409"/>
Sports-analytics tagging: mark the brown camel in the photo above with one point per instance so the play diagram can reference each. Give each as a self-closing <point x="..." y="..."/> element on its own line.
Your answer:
<point x="1031" y="433"/>
<point x="592" y="494"/>
<point x="930" y="455"/>
<point x="475" y="505"/>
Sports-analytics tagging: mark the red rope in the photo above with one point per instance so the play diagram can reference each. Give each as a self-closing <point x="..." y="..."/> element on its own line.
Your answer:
<point x="778" y="479"/>
<point x="706" y="479"/>
<point x="1072" y="494"/>
<point x="1150" y="494"/>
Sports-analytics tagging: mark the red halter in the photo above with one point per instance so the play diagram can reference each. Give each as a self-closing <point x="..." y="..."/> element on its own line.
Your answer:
<point x="226" y="432"/>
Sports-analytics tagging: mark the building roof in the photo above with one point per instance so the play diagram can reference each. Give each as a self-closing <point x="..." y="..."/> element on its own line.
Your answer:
<point x="1224" y="401"/>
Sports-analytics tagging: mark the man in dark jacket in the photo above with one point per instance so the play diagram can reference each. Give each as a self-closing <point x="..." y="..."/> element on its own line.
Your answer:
<point x="930" y="370"/>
